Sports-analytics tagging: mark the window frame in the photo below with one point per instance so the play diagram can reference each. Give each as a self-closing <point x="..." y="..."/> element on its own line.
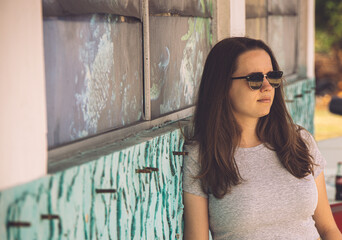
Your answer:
<point x="92" y="147"/>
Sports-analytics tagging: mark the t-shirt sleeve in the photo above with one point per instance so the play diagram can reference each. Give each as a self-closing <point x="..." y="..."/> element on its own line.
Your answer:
<point x="191" y="168"/>
<point x="318" y="159"/>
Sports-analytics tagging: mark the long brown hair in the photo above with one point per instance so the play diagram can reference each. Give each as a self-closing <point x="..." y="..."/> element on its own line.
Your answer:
<point x="217" y="132"/>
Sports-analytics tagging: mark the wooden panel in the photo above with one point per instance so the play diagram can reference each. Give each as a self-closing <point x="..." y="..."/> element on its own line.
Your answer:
<point x="93" y="68"/>
<point x="77" y="7"/>
<point x="257" y="28"/>
<point x="300" y="98"/>
<point x="143" y="206"/>
<point x="177" y="59"/>
<point x="256" y="8"/>
<point x="200" y="8"/>
<point x="282" y="38"/>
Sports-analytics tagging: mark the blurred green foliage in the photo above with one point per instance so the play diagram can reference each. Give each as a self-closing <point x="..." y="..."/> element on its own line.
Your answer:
<point x="328" y="25"/>
<point x="323" y="42"/>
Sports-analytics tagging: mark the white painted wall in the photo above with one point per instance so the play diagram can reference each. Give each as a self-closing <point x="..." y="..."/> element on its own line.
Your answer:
<point x="23" y="124"/>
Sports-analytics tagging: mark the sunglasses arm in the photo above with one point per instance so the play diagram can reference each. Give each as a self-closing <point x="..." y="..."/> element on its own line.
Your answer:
<point x="244" y="77"/>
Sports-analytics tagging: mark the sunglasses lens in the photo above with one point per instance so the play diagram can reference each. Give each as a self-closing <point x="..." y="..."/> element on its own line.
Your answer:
<point x="275" y="78"/>
<point x="255" y="80"/>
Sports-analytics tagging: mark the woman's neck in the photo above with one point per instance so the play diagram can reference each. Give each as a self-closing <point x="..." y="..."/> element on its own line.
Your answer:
<point x="249" y="137"/>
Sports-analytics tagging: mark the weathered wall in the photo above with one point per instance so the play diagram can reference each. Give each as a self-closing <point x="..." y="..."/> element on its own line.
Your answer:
<point x="96" y="62"/>
<point x="136" y="205"/>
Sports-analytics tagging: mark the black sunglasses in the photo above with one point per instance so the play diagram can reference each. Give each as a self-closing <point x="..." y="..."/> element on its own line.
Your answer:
<point x="256" y="79"/>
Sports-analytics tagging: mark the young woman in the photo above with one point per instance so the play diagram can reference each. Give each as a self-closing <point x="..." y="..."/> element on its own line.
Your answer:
<point x="251" y="173"/>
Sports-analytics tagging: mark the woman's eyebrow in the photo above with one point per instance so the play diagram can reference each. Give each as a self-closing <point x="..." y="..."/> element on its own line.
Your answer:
<point x="252" y="73"/>
<point x="259" y="72"/>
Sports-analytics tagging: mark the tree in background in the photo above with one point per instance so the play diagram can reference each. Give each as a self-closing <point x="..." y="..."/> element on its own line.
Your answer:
<point x="329" y="34"/>
<point x="328" y="24"/>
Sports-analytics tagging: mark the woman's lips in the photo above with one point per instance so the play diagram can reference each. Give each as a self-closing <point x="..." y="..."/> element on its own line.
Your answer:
<point x="265" y="100"/>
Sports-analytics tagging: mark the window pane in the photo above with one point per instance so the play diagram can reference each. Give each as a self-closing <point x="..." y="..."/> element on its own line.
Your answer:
<point x="93" y="68"/>
<point x="179" y="47"/>
<point x="282" y="37"/>
<point x="257" y="28"/>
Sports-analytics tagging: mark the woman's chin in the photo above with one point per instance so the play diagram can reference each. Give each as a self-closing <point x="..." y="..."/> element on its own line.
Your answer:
<point x="265" y="114"/>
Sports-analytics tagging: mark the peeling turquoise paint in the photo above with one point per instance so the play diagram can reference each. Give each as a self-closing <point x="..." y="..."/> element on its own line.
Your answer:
<point x="145" y="206"/>
<point x="300" y="97"/>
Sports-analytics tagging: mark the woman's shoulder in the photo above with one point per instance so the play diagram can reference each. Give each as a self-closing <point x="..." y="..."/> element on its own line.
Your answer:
<point x="316" y="155"/>
<point x="306" y="135"/>
<point x="192" y="150"/>
<point x="191" y="147"/>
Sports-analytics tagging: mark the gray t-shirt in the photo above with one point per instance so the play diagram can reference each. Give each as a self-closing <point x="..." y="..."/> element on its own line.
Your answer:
<point x="270" y="204"/>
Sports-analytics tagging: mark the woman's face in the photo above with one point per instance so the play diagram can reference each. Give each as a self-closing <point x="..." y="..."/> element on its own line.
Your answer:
<point x="247" y="103"/>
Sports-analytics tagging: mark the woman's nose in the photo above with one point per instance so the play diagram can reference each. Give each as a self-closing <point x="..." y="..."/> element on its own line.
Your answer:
<point x="266" y="86"/>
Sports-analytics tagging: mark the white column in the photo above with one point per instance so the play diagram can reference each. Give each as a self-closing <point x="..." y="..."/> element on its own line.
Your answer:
<point x="311" y="39"/>
<point x="23" y="124"/>
<point x="230" y="18"/>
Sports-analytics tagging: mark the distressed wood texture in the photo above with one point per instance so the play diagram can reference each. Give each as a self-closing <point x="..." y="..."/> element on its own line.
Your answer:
<point x="95" y="63"/>
<point x="177" y="61"/>
<point x="300" y="100"/>
<point x="77" y="7"/>
<point x="135" y="193"/>
<point x="199" y="8"/>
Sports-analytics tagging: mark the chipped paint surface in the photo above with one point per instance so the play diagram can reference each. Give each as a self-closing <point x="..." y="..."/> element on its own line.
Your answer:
<point x="188" y="72"/>
<point x="163" y="67"/>
<point x="92" y="62"/>
<point x="92" y="100"/>
<point x="300" y="98"/>
<point x="177" y="61"/>
<point x="199" y="8"/>
<point x="78" y="7"/>
<point x="144" y="206"/>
